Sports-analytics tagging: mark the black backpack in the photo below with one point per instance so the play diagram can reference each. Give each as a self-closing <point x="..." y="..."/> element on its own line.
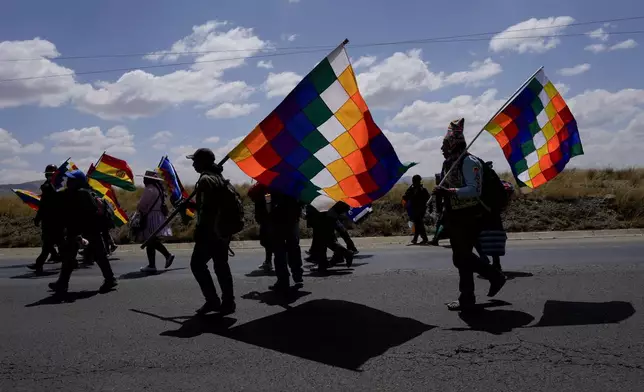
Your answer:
<point x="494" y="196"/>
<point x="230" y="219"/>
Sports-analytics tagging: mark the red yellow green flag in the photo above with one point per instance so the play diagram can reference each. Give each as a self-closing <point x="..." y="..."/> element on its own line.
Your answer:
<point x="113" y="171"/>
<point x="107" y="192"/>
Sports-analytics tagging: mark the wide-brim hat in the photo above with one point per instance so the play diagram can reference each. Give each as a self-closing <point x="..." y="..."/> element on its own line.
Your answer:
<point x="152" y="175"/>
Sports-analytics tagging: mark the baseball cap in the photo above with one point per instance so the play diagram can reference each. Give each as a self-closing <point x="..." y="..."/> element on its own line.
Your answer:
<point x="76" y="175"/>
<point x="202" y="154"/>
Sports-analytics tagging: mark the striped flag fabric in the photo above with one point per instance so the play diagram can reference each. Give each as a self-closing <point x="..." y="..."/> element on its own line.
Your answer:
<point x="107" y="192"/>
<point x="172" y="181"/>
<point x="29" y="198"/>
<point x="114" y="171"/>
<point x="321" y="143"/>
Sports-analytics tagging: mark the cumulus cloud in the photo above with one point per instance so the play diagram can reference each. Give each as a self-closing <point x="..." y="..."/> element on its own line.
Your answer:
<point x="9" y="145"/>
<point x="599" y="34"/>
<point x="19" y="176"/>
<point x="231" y="110"/>
<point x="160" y="140"/>
<point x="136" y="93"/>
<point x="576" y="70"/>
<point x="280" y="84"/>
<point x="92" y="140"/>
<point x="212" y="140"/>
<point x="289" y="37"/>
<point x="364" y="61"/>
<point x="265" y="64"/>
<point x="403" y="75"/>
<point x="15" y="161"/>
<point x="611" y="126"/>
<point x="531" y="36"/>
<point x="598" y="48"/>
<point x="628" y="44"/>
<point x="47" y="91"/>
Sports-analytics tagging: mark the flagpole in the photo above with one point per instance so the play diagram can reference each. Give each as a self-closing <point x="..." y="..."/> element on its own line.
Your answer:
<point x="483" y="129"/>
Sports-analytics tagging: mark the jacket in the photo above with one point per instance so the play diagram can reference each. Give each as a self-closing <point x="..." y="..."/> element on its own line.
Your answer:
<point x="210" y="187"/>
<point x="417" y="196"/>
<point x="49" y="211"/>
<point x="80" y="212"/>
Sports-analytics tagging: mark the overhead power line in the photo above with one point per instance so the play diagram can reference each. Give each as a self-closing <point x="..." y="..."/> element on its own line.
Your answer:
<point x="298" y="48"/>
<point x="422" y="41"/>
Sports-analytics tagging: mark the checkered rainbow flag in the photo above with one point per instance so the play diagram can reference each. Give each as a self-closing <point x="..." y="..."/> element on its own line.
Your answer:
<point x="537" y="132"/>
<point x="321" y="144"/>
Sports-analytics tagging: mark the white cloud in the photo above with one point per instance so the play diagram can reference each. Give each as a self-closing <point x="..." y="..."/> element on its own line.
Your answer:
<point x="435" y="116"/>
<point x="599" y="34"/>
<point x="404" y="75"/>
<point x="187" y="173"/>
<point x="265" y="64"/>
<point x="49" y="92"/>
<point x="364" y="61"/>
<point x="15" y="161"/>
<point x="19" y="176"/>
<point x="562" y="88"/>
<point x="628" y="44"/>
<point x="117" y="140"/>
<point x="231" y="110"/>
<point x="576" y="70"/>
<point x="163" y="136"/>
<point x="479" y="71"/>
<point x="280" y="84"/>
<point x="293" y="1"/>
<point x="531" y="36"/>
<point x="288" y="37"/>
<point x="9" y="145"/>
<point x="596" y="48"/>
<point x="212" y="140"/>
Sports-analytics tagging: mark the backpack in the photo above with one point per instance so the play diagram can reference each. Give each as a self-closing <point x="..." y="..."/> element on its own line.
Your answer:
<point x="495" y="197"/>
<point x="230" y="219"/>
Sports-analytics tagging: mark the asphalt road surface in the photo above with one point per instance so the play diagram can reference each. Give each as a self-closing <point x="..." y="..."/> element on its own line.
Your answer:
<point x="569" y="319"/>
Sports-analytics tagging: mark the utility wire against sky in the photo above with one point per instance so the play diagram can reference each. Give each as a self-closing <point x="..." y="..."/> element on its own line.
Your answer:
<point x="325" y="47"/>
<point x="294" y="52"/>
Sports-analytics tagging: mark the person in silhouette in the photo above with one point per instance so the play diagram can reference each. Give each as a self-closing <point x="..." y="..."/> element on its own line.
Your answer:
<point x="465" y="215"/>
<point x="260" y="196"/>
<point x="417" y="197"/>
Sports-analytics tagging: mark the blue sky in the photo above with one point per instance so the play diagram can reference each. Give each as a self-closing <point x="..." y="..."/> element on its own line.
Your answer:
<point x="413" y="89"/>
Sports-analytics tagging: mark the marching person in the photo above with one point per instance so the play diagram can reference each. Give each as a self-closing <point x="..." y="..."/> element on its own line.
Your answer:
<point x="324" y="227"/>
<point x="417" y="196"/>
<point x="210" y="242"/>
<point x="439" y="233"/>
<point x="82" y="225"/>
<point x="153" y="212"/>
<point x="465" y="216"/>
<point x="48" y="217"/>
<point x="259" y="195"/>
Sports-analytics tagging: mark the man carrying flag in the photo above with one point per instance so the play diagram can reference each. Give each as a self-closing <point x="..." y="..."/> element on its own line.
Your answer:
<point x="48" y="217"/>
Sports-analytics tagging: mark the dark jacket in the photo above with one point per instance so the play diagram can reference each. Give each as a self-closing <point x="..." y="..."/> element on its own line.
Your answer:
<point x="49" y="210"/>
<point x="284" y="209"/>
<point x="257" y="194"/>
<point x="80" y="212"/>
<point x="418" y="196"/>
<point x="210" y="187"/>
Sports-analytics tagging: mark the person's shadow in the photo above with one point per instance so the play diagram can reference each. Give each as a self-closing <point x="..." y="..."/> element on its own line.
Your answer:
<point x="64" y="298"/>
<point x="272" y="298"/>
<point x="142" y="275"/>
<point x="495" y="322"/>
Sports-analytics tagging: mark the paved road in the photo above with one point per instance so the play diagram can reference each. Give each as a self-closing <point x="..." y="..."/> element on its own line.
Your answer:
<point x="568" y="320"/>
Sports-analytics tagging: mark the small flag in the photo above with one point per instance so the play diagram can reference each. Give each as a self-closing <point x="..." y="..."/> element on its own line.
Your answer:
<point x="59" y="175"/>
<point x="175" y="189"/>
<point x="321" y="144"/>
<point x="114" y="171"/>
<point x="107" y="192"/>
<point x="537" y="132"/>
<point x="29" y="198"/>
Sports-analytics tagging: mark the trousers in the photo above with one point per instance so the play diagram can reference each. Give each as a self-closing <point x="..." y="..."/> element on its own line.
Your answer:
<point x="97" y="250"/>
<point x="285" y="245"/>
<point x="51" y="238"/>
<point x="216" y="249"/>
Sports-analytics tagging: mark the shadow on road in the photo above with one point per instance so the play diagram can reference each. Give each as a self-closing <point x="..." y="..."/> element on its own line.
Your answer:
<point x="509" y="275"/>
<point x="14" y="266"/>
<point x="141" y="275"/>
<point x="272" y="298"/>
<point x="32" y="275"/>
<point x="260" y="272"/>
<point x="495" y="322"/>
<point x="333" y="332"/>
<point x="57" y="299"/>
<point x="564" y="313"/>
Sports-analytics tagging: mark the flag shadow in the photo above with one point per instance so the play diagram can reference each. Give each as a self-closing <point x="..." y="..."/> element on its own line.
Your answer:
<point x="141" y="275"/>
<point x="271" y="298"/>
<point x="566" y="313"/>
<point x="332" y="332"/>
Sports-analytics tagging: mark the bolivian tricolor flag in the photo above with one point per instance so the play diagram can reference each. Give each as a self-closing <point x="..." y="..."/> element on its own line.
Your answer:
<point x="29" y="198"/>
<point x="107" y="192"/>
<point x="113" y="171"/>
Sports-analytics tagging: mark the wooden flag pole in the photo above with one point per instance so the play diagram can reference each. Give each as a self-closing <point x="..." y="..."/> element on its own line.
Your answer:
<point x="483" y="129"/>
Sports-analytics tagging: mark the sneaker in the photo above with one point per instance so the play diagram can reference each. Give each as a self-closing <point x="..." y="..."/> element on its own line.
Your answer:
<point x="460" y="306"/>
<point x="57" y="288"/>
<point x="210" y="306"/>
<point x="149" y="269"/>
<point x="227" y="307"/>
<point x="297" y="278"/>
<point x="433" y="242"/>
<point x="349" y="259"/>
<point x="34" y="267"/>
<point x="354" y="251"/>
<point x="168" y="261"/>
<point x="424" y="242"/>
<point x="54" y="259"/>
<point x="113" y="248"/>
<point x="496" y="284"/>
<point x="279" y="286"/>
<point x="108" y="285"/>
<point x="266" y="267"/>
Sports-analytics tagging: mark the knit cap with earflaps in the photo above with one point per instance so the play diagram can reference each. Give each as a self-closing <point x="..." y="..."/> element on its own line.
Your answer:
<point x="455" y="134"/>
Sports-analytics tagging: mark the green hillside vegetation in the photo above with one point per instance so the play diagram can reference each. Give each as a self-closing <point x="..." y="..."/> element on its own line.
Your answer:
<point x="575" y="200"/>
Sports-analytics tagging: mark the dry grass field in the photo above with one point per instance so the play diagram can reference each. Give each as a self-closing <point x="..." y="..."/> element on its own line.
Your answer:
<point x="575" y="200"/>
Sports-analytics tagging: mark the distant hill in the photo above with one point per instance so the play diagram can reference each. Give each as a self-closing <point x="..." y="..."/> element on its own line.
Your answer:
<point x="33" y="186"/>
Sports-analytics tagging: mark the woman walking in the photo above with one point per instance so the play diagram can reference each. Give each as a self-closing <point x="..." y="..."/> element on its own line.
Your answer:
<point x="153" y="212"/>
